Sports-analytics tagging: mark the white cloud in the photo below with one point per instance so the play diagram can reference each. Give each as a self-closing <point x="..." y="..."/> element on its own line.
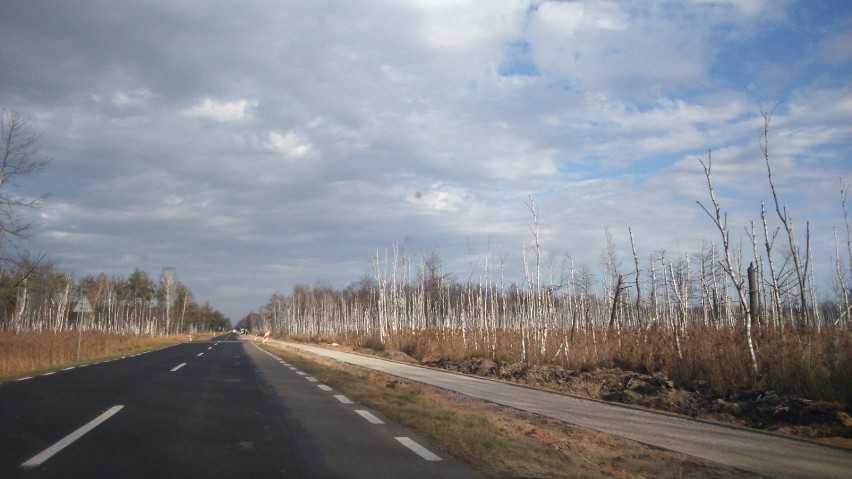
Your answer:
<point x="440" y="198"/>
<point x="291" y="144"/>
<point x="573" y="18"/>
<point x="131" y="98"/>
<point x="468" y="26"/>
<point x="222" y="111"/>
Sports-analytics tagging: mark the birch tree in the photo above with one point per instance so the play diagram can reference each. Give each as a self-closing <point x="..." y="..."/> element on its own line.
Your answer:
<point x="800" y="264"/>
<point x="166" y="294"/>
<point x="721" y="222"/>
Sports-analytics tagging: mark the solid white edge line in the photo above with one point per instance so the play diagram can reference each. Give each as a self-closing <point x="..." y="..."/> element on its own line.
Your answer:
<point x="343" y="399"/>
<point x="178" y="367"/>
<point x="369" y="416"/>
<point x="39" y="458"/>
<point x="418" y="449"/>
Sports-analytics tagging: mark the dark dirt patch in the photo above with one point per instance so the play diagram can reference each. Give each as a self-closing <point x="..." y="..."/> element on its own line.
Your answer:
<point x="756" y="409"/>
<point x="397" y="356"/>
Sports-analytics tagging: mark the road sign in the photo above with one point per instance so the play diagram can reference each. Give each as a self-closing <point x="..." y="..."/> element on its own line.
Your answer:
<point x="83" y="306"/>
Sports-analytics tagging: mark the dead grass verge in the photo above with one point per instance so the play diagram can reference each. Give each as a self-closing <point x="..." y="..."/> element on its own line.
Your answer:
<point x="26" y="353"/>
<point x="500" y="442"/>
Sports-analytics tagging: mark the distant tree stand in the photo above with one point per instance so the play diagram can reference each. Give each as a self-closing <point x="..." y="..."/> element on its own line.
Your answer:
<point x="18" y="160"/>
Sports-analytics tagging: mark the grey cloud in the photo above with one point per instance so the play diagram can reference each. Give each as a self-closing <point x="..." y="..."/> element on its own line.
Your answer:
<point x="254" y="145"/>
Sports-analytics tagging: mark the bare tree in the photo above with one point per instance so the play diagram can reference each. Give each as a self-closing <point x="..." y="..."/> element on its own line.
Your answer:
<point x="736" y="276"/>
<point x="800" y="264"/>
<point x="613" y="279"/>
<point x="18" y="160"/>
<point x="844" y="292"/>
<point x="636" y="262"/>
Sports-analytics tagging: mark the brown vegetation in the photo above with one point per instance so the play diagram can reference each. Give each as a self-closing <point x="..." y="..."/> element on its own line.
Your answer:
<point x="791" y="398"/>
<point x="501" y="442"/>
<point x="28" y="352"/>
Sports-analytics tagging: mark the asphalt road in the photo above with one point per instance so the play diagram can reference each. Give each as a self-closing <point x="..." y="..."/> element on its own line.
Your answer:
<point x="764" y="454"/>
<point x="222" y="408"/>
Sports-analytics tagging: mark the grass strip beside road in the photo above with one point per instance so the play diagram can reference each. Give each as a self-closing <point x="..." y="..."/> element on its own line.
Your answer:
<point x="497" y="441"/>
<point x="29" y="353"/>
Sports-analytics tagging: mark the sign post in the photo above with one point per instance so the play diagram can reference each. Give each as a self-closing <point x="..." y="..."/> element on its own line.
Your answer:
<point x="82" y="307"/>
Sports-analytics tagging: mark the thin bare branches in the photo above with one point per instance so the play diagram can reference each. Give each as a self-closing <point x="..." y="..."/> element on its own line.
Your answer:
<point x="17" y="158"/>
<point x="800" y="265"/>
<point x="727" y="265"/>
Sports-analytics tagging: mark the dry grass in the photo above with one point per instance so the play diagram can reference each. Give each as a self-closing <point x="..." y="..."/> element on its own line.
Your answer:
<point x="28" y="352"/>
<point x="804" y="362"/>
<point x="501" y="442"/>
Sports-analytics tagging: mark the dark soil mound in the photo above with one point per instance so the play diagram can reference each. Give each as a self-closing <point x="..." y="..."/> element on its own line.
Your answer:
<point x="757" y="409"/>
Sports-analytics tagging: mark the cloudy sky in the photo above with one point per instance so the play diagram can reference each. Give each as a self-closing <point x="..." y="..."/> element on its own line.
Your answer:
<point x="254" y="145"/>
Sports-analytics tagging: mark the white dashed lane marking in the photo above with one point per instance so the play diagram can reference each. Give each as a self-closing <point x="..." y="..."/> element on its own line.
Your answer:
<point x="418" y="449"/>
<point x="39" y="458"/>
<point x="178" y="367"/>
<point x="369" y="416"/>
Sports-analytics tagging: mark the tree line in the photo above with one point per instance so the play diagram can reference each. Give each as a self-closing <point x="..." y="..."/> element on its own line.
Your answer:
<point x="736" y="313"/>
<point x="37" y="297"/>
<point x="680" y="315"/>
<point x="34" y="296"/>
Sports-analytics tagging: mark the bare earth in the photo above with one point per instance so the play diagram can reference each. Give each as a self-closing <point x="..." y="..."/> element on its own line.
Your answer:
<point x="820" y="420"/>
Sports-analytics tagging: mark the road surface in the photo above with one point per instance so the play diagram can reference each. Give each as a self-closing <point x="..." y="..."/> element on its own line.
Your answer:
<point x="222" y="408"/>
<point x="764" y="454"/>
